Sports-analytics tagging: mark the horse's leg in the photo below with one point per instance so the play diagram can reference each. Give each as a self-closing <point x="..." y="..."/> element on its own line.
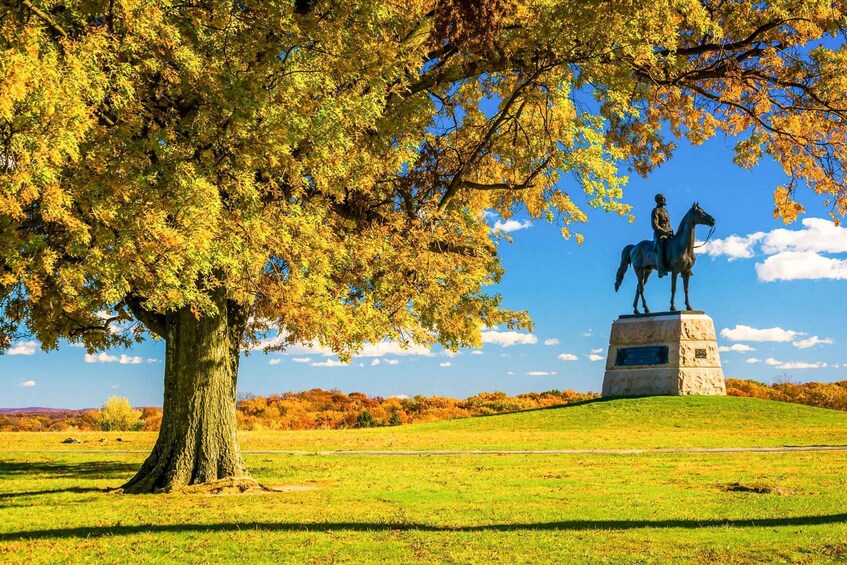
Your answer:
<point x="646" y="275"/>
<point x="673" y="290"/>
<point x="685" y="277"/>
<point x="638" y="290"/>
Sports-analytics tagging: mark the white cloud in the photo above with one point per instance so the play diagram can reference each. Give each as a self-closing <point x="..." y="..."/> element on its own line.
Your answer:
<point x="589" y="333"/>
<point x="746" y="333"/>
<point x="792" y="254"/>
<point x="551" y="341"/>
<point x="26" y="383"/>
<point x="400" y="396"/>
<point x="330" y="363"/>
<point x="151" y="360"/>
<point x="375" y="362"/>
<point x="23" y="348"/>
<point x="597" y="350"/>
<point x="753" y="360"/>
<point x="127" y="360"/>
<point x="101" y="357"/>
<point x="568" y="357"/>
<point x="476" y="352"/>
<point x="511" y="225"/>
<point x="541" y="373"/>
<point x="445" y="364"/>
<point x="392" y="362"/>
<point x="797" y="265"/>
<point x="811" y="342"/>
<point x="302" y="359"/>
<point x="508" y="338"/>
<point x="275" y="361"/>
<point x="773" y="362"/>
<point x="595" y="357"/>
<point x="738" y="347"/>
<point x="509" y="373"/>
<point x="734" y="246"/>
<point x="819" y="234"/>
<point x="802" y="365"/>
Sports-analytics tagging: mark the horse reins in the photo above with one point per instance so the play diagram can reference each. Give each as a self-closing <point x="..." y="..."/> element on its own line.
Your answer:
<point x="708" y="237"/>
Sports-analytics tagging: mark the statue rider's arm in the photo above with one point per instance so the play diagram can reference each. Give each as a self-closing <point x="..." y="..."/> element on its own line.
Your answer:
<point x="657" y="226"/>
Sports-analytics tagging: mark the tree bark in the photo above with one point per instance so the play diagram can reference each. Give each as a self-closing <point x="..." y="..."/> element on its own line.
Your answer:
<point x="197" y="441"/>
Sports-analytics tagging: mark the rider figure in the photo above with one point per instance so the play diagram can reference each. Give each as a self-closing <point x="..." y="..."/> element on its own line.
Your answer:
<point x="662" y="232"/>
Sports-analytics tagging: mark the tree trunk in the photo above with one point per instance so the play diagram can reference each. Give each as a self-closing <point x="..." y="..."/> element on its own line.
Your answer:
<point x="197" y="442"/>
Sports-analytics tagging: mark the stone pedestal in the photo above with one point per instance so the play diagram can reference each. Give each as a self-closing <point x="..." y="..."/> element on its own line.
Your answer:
<point x="669" y="353"/>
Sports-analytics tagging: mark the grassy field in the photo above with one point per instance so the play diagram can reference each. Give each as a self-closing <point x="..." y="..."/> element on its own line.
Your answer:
<point x="634" y="508"/>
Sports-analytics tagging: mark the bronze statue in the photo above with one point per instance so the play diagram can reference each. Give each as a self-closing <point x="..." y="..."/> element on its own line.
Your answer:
<point x="662" y="231"/>
<point x="680" y="254"/>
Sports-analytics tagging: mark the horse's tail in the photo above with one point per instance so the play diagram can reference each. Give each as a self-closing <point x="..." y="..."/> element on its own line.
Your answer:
<point x="625" y="261"/>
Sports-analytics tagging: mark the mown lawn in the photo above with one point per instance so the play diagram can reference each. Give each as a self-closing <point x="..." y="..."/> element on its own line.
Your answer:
<point x="635" y="508"/>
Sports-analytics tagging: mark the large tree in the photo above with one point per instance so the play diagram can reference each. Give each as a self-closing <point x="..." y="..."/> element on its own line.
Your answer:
<point x="215" y="170"/>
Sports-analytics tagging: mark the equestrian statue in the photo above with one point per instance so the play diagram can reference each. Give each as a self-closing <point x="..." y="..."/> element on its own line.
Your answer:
<point x="669" y="252"/>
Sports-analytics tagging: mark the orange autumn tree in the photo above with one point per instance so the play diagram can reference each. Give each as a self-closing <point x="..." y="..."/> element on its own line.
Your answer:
<point x="217" y="169"/>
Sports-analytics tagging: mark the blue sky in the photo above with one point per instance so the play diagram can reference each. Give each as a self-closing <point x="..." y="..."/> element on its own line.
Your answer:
<point x="775" y="292"/>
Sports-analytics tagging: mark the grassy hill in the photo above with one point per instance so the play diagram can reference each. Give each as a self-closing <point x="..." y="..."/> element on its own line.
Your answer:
<point x="634" y="423"/>
<point x="574" y="508"/>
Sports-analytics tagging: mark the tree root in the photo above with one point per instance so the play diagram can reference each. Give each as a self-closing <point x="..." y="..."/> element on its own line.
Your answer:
<point x="229" y="485"/>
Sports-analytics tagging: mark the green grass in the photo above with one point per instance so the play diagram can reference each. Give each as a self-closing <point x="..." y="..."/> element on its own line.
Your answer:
<point x="636" y="508"/>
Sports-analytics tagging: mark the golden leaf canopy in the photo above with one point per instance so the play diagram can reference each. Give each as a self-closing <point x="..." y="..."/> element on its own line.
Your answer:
<point x="329" y="164"/>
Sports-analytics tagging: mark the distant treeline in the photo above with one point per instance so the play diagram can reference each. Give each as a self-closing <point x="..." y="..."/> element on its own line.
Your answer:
<point x="319" y="409"/>
<point x="822" y="395"/>
<point x="314" y="409"/>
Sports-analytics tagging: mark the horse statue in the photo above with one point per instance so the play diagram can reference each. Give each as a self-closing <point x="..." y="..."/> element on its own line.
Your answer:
<point x="680" y="250"/>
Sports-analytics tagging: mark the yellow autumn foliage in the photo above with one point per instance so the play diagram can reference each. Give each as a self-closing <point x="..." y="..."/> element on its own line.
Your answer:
<point x="330" y="163"/>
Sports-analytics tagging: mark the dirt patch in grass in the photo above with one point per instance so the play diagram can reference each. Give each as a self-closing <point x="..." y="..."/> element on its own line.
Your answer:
<point x="756" y="489"/>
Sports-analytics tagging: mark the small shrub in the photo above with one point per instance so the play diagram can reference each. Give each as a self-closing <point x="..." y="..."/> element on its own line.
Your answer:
<point x="117" y="415"/>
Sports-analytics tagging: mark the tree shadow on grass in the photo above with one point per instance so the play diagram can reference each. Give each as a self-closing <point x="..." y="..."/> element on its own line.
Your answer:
<point x="86" y="470"/>
<point x="569" y="525"/>
<point x="546" y="408"/>
<point x="75" y="490"/>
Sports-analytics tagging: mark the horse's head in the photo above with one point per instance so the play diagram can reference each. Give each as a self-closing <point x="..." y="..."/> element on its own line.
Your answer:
<point x="700" y="216"/>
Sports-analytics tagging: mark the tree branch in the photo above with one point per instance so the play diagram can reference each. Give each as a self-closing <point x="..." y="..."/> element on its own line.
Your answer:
<point x="721" y="47"/>
<point x="45" y="17"/>
<point x="501" y="117"/>
<point x="153" y="321"/>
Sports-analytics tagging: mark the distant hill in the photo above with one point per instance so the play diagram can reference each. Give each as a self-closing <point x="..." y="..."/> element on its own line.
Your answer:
<point x="34" y="410"/>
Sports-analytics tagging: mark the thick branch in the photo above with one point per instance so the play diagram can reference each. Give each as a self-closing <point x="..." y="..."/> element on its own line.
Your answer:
<point x="154" y="321"/>
<point x="506" y="186"/>
<point x="45" y="17"/>
<point x="722" y="47"/>
<point x="469" y="250"/>
<point x="494" y="186"/>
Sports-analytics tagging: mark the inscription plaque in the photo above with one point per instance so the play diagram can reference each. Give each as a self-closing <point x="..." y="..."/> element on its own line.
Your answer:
<point x="699" y="353"/>
<point x="647" y="355"/>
